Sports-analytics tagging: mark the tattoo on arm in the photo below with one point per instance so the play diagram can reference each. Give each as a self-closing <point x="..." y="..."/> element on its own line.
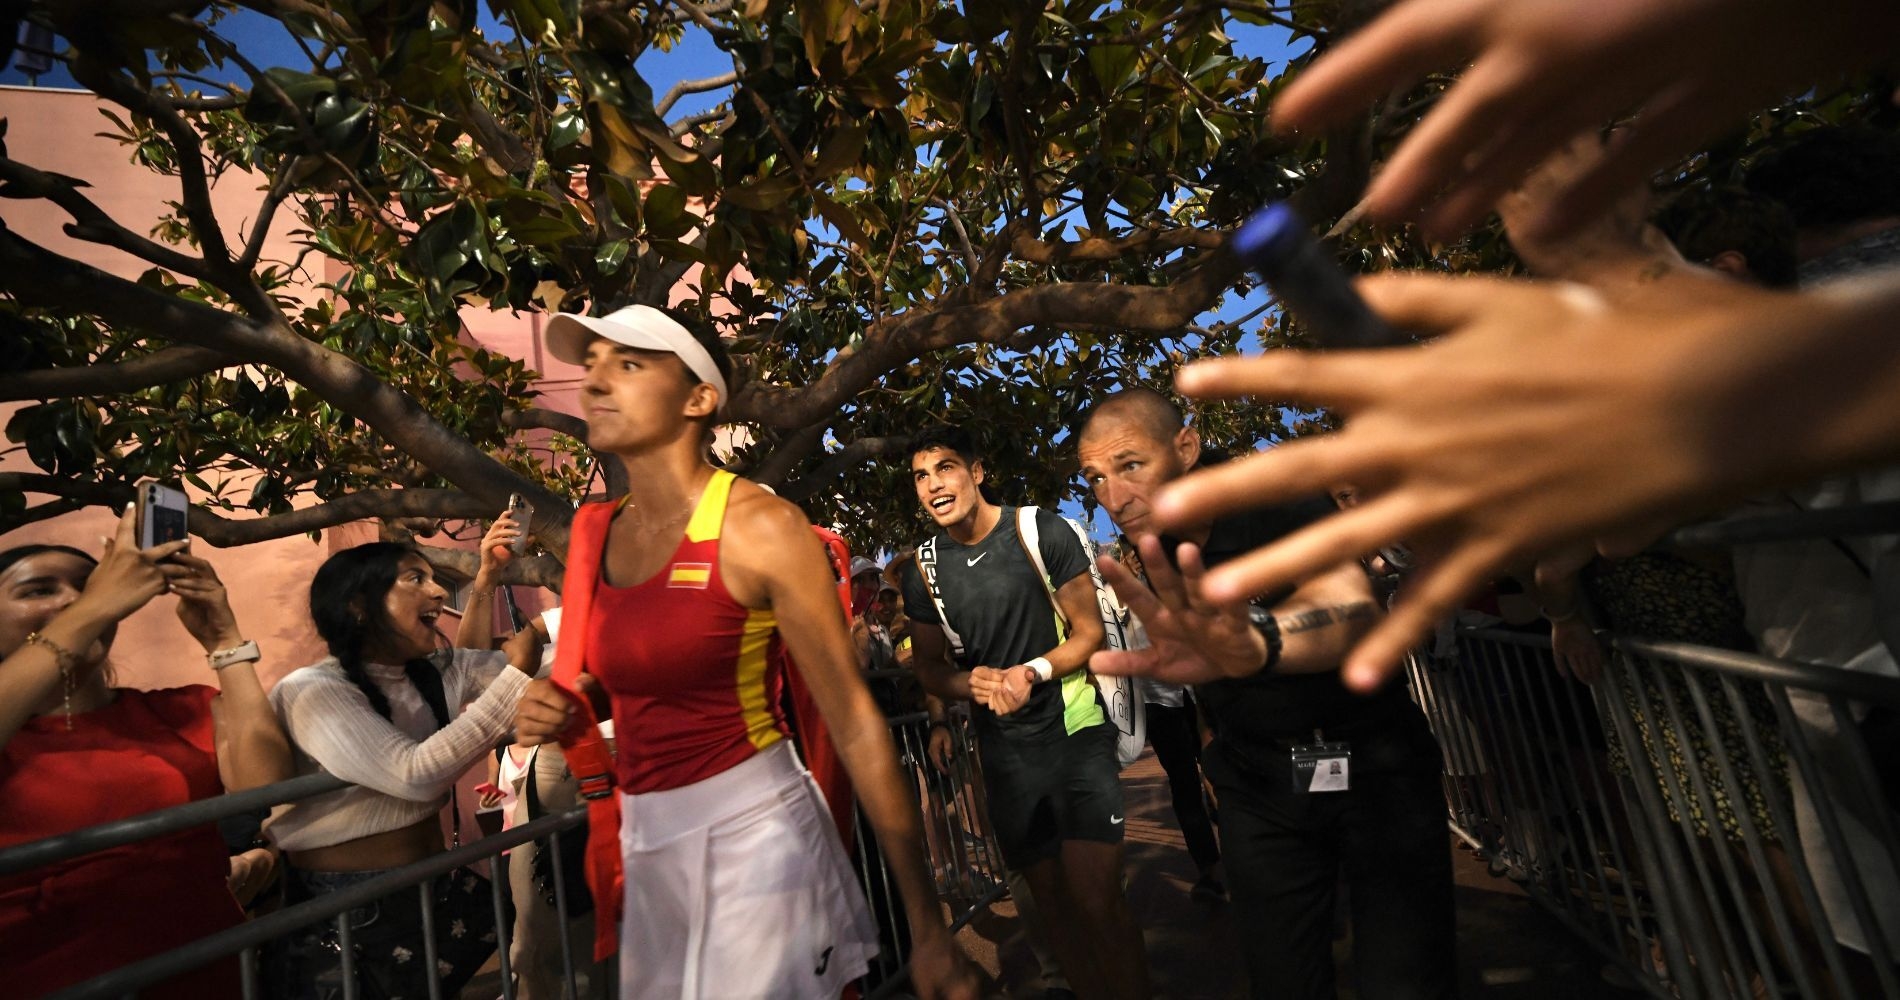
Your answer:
<point x="1306" y="621"/>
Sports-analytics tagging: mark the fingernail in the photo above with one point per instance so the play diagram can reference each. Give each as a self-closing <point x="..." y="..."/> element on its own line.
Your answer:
<point x="1361" y="675"/>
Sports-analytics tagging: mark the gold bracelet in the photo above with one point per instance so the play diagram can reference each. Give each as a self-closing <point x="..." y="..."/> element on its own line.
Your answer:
<point x="67" y="663"/>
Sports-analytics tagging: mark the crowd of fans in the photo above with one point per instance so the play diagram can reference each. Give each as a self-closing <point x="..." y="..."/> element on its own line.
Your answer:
<point x="1552" y="433"/>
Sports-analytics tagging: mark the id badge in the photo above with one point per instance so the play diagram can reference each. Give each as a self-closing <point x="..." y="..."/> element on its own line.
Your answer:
<point x="1322" y="767"/>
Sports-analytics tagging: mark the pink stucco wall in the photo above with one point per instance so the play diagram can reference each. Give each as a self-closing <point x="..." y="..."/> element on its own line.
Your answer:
<point x="53" y="130"/>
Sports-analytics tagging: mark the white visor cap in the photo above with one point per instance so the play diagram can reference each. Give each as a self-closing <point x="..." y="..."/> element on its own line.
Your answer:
<point x="643" y="327"/>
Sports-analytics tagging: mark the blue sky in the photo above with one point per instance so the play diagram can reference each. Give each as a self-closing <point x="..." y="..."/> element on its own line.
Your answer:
<point x="267" y="43"/>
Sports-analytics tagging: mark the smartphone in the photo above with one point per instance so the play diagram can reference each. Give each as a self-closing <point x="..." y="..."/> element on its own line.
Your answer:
<point x="161" y="513"/>
<point x="524" y="518"/>
<point x="1277" y="244"/>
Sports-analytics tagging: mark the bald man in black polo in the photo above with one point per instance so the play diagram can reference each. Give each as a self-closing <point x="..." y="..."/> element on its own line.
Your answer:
<point x="1315" y="781"/>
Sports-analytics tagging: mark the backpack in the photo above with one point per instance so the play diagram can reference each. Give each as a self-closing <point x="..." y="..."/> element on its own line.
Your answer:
<point x="1119" y="695"/>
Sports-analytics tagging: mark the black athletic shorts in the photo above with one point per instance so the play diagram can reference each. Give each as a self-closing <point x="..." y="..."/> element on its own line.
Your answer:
<point x="1042" y="794"/>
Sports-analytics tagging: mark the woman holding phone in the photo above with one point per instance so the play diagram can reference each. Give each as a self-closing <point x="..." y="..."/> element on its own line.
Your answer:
<point x="75" y="751"/>
<point x="386" y="712"/>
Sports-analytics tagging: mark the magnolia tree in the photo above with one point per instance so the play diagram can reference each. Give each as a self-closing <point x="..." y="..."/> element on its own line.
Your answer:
<point x="898" y="211"/>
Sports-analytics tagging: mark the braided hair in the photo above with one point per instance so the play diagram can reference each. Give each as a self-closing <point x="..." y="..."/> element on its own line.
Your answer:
<point x="346" y="603"/>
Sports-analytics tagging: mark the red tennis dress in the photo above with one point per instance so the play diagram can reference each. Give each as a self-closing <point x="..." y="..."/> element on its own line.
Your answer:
<point x="736" y="881"/>
<point x="697" y="678"/>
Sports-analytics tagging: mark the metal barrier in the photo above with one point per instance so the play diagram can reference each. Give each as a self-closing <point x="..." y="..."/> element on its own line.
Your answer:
<point x="1714" y="823"/>
<point x="958" y="840"/>
<point x="957" y="831"/>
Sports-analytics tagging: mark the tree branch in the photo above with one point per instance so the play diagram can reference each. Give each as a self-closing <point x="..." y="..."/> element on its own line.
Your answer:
<point x="972" y="261"/>
<point x="840" y="462"/>
<point x="690" y="122"/>
<point x="1098" y="249"/>
<point x="39" y="512"/>
<point x="535" y="417"/>
<point x="1015" y="130"/>
<point x="530" y="571"/>
<point x="194" y="183"/>
<point x="700" y="17"/>
<point x="226" y="532"/>
<point x="38" y="276"/>
<point x="280" y="186"/>
<point x="171" y="364"/>
<point x="700" y="86"/>
<point x="995" y="255"/>
<point x="790" y="451"/>
<point x="1273" y="13"/>
<point x="1051" y="308"/>
<point x="90" y="222"/>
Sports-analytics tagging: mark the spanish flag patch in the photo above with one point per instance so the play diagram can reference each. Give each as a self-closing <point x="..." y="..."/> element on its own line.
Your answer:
<point x="691" y="576"/>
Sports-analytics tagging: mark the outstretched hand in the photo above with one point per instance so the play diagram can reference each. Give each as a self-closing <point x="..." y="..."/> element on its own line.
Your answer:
<point x="1688" y="68"/>
<point x="1531" y="423"/>
<point x="1191" y="640"/>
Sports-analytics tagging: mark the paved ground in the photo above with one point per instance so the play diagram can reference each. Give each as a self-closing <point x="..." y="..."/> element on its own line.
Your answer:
<point x="1508" y="948"/>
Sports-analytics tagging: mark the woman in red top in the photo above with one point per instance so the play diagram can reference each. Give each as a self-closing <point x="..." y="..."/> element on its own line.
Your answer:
<point x="736" y="883"/>
<point x="76" y="751"/>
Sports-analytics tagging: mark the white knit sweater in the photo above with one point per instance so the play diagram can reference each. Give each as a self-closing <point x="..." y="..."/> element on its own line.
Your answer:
<point x="402" y="766"/>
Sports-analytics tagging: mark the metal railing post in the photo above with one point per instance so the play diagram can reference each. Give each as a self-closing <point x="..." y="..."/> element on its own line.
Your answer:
<point x="1811" y="774"/>
<point x="504" y="933"/>
<point x="560" y="914"/>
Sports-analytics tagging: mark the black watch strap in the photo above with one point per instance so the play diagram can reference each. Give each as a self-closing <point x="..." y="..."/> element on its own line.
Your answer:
<point x="1268" y="626"/>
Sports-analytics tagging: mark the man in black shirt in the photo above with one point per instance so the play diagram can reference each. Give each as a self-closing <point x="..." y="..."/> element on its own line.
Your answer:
<point x="990" y="628"/>
<point x="1315" y="781"/>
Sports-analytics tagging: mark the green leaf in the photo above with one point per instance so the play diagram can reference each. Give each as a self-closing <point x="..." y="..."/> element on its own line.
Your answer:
<point x="610" y="256"/>
<point x="665" y="212"/>
<point x="1113" y="66"/>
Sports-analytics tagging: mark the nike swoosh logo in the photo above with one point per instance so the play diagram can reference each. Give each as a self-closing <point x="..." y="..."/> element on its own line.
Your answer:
<point x="1115" y="819"/>
<point x="973" y="562"/>
<point x="824" y="962"/>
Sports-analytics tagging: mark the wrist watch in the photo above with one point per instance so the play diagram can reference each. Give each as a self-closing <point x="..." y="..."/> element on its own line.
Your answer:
<point x="243" y="652"/>
<point x="1268" y="626"/>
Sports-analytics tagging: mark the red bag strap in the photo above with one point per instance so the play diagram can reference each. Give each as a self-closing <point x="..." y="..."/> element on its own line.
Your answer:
<point x="588" y="758"/>
<point x="839" y="552"/>
<point x="814" y="737"/>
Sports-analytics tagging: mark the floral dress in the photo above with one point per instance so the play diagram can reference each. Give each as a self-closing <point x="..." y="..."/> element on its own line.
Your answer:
<point x="1659" y="595"/>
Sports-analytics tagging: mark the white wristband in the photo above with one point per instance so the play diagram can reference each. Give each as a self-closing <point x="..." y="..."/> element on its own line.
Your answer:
<point x="243" y="652"/>
<point x="1043" y="668"/>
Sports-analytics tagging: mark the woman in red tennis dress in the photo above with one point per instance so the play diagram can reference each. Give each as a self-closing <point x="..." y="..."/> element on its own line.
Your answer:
<point x="684" y="601"/>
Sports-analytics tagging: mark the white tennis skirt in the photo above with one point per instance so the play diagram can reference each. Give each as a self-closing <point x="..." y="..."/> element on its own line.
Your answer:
<point x="738" y="887"/>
